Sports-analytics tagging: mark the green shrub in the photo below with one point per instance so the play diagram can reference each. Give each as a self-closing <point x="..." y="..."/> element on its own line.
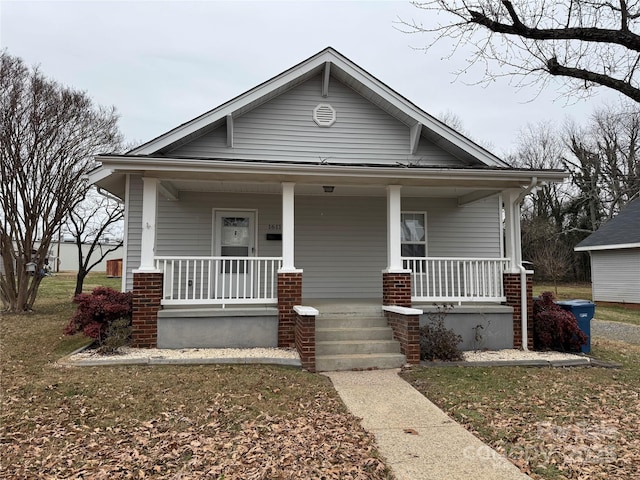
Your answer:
<point x="438" y="342"/>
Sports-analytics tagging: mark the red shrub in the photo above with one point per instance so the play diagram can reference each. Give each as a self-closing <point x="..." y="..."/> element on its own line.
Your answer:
<point x="555" y="328"/>
<point x="97" y="310"/>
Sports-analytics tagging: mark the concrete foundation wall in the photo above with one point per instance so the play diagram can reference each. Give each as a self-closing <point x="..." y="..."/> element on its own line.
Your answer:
<point x="219" y="330"/>
<point x="480" y="327"/>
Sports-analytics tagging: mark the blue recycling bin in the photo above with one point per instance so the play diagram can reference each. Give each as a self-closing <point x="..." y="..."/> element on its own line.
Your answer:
<point x="583" y="310"/>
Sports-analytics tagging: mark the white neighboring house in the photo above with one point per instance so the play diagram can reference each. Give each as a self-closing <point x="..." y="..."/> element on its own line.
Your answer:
<point x="615" y="257"/>
<point x="67" y="256"/>
<point x="321" y="185"/>
<point x="63" y="256"/>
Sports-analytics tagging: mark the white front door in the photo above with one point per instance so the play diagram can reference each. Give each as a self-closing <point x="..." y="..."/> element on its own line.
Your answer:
<point x="234" y="237"/>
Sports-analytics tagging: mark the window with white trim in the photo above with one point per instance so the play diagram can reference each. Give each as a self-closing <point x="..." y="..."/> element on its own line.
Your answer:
<point x="413" y="234"/>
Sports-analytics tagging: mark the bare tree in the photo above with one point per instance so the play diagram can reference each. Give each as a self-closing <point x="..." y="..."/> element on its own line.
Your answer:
<point x="48" y="136"/>
<point x="616" y="134"/>
<point x="587" y="42"/>
<point x="93" y="219"/>
<point x="604" y="162"/>
<point x="601" y="155"/>
<point x="541" y="146"/>
<point x="553" y="256"/>
<point x="453" y="120"/>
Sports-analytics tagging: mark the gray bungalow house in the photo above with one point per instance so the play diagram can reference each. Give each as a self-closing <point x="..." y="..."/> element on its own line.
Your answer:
<point x="615" y="257"/>
<point x="321" y="210"/>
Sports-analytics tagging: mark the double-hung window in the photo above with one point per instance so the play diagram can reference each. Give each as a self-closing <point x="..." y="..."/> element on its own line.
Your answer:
<point x="413" y="234"/>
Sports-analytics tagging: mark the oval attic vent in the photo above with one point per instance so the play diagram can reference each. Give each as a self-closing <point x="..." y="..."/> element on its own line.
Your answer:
<point x="324" y="115"/>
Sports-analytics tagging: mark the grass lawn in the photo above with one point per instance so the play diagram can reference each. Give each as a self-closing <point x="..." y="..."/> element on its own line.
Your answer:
<point x="163" y="421"/>
<point x="573" y="423"/>
<point x="613" y="313"/>
<point x="553" y="423"/>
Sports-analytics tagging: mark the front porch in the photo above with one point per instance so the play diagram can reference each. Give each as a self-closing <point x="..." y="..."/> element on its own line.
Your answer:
<point x="259" y="306"/>
<point x="328" y="247"/>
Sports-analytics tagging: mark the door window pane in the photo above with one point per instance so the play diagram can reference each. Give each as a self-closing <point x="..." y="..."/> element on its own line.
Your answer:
<point x="235" y="231"/>
<point x="234" y="242"/>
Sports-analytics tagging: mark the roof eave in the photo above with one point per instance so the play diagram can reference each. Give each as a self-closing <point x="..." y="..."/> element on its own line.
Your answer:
<point x="619" y="246"/>
<point x="165" y="164"/>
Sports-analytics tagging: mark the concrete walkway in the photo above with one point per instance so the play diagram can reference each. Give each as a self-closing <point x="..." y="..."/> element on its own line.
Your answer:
<point x="418" y="440"/>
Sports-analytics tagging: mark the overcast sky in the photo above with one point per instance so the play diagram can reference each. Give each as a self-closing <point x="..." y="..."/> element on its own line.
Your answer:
<point x="163" y="63"/>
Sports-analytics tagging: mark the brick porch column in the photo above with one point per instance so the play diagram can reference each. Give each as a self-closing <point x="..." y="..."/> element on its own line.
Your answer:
<point x="512" y="292"/>
<point x="289" y="294"/>
<point x="396" y="288"/>
<point x="147" y="294"/>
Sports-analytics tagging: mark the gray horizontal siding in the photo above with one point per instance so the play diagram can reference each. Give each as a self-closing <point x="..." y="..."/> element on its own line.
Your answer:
<point x="469" y="231"/>
<point x="134" y="228"/>
<point x="184" y="227"/>
<point x="615" y="275"/>
<point x="340" y="242"/>
<point x="283" y="129"/>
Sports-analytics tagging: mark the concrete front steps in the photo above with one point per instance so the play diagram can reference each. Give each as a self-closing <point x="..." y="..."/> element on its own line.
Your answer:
<point x="350" y="341"/>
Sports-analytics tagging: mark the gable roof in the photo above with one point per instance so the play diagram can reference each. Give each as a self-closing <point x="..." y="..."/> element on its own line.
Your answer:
<point x="329" y="62"/>
<point x="622" y="231"/>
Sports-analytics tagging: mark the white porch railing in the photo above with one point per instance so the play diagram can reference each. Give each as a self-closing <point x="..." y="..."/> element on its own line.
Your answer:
<point x="219" y="280"/>
<point x="439" y="279"/>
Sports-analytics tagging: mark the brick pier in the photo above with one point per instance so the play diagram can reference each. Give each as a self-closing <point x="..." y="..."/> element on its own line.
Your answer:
<point x="289" y="294"/>
<point x="512" y="292"/>
<point x="305" y="333"/>
<point x="396" y="289"/>
<point x="147" y="295"/>
<point x="406" y="329"/>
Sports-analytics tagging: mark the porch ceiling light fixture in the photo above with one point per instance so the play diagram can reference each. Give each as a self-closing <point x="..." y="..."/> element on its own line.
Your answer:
<point x="328" y="188"/>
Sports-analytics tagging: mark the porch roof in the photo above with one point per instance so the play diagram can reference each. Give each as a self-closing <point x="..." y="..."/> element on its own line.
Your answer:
<point x="467" y="183"/>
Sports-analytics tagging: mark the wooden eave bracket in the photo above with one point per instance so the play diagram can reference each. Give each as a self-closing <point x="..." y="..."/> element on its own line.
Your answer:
<point x="414" y="137"/>
<point x="230" y="131"/>
<point x="325" y="79"/>
<point x="168" y="191"/>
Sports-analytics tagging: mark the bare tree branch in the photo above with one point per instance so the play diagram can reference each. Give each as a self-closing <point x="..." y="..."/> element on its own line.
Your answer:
<point x="587" y="43"/>
<point x="621" y="36"/>
<point x="623" y="86"/>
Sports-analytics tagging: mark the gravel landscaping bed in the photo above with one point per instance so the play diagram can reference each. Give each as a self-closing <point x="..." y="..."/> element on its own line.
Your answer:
<point x="277" y="355"/>
<point x="516" y="355"/>
<point x="186" y="355"/>
<point x="624" y="332"/>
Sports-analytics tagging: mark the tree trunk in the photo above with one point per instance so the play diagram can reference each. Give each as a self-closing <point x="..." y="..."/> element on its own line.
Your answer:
<point x="82" y="274"/>
<point x="22" y="298"/>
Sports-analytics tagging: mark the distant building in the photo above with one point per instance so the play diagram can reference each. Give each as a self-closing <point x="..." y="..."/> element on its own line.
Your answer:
<point x="63" y="256"/>
<point x="615" y="257"/>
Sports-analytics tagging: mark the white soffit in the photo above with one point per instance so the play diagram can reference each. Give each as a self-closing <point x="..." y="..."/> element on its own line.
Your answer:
<point x="315" y="189"/>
